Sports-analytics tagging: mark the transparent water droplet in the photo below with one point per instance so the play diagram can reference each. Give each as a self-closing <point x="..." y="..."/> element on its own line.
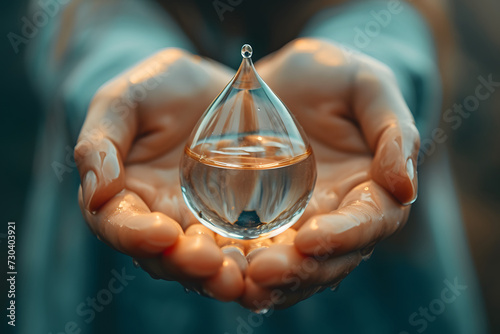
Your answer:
<point x="367" y="252"/>
<point x="335" y="287"/>
<point x="186" y="290"/>
<point x="262" y="311"/>
<point x="367" y="256"/>
<point x="248" y="166"/>
<point x="136" y="263"/>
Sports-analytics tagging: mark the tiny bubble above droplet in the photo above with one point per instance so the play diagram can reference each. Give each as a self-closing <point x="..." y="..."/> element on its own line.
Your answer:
<point x="246" y="51"/>
<point x="335" y="287"/>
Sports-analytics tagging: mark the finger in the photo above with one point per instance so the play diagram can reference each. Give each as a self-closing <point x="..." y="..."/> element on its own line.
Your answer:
<point x="284" y="266"/>
<point x="259" y="299"/>
<point x="286" y="237"/>
<point x="224" y="242"/>
<point x="265" y="300"/>
<point x="255" y="246"/>
<point x="229" y="248"/>
<point x="237" y="256"/>
<point x="235" y="249"/>
<point x="127" y="225"/>
<point x="389" y="128"/>
<point x="198" y="229"/>
<point x="227" y="284"/>
<point x="103" y="143"/>
<point x="367" y="214"/>
<point x="193" y="256"/>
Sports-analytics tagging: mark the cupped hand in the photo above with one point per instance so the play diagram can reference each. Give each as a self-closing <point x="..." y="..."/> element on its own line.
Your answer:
<point x="128" y="155"/>
<point x="365" y="143"/>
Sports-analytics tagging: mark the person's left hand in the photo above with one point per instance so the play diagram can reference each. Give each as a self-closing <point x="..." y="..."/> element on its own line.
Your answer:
<point x="365" y="143"/>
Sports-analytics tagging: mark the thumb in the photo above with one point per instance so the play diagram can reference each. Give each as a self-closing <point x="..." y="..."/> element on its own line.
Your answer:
<point x="104" y="142"/>
<point x="395" y="161"/>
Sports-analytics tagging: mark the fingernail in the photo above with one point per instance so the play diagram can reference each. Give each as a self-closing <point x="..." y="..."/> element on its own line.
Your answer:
<point x="411" y="172"/>
<point x="89" y="186"/>
<point x="251" y="255"/>
<point x="110" y="165"/>
<point x="237" y="255"/>
<point x="258" y="244"/>
<point x="410" y="169"/>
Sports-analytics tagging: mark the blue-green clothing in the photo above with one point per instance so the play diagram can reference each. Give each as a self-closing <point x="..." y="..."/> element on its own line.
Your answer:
<point x="65" y="267"/>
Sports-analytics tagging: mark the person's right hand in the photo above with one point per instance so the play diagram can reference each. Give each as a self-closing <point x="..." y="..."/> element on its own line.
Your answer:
<point x="128" y="155"/>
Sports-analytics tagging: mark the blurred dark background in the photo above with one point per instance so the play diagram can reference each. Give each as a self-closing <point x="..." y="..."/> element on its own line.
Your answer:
<point x="474" y="146"/>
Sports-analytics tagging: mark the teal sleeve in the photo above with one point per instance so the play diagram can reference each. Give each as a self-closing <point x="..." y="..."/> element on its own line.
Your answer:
<point x="105" y="39"/>
<point x="396" y="34"/>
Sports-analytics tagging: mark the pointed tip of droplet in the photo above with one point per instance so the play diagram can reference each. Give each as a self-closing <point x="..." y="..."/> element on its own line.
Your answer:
<point x="246" y="77"/>
<point x="246" y="51"/>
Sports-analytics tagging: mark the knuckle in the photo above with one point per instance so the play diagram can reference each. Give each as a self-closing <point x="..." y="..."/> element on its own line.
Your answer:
<point x="299" y="53"/>
<point x="106" y="91"/>
<point x="410" y="131"/>
<point x="375" y="73"/>
<point x="169" y="53"/>
<point x="81" y="150"/>
<point x="385" y="72"/>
